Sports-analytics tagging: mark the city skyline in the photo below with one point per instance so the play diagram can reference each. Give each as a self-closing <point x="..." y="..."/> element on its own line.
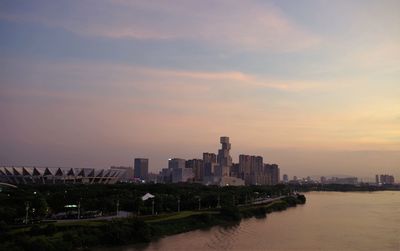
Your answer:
<point x="311" y="85"/>
<point x="244" y="168"/>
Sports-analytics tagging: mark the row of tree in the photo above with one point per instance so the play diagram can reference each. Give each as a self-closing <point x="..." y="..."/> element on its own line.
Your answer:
<point x="44" y="201"/>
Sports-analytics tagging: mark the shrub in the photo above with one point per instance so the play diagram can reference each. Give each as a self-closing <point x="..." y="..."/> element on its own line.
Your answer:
<point x="10" y="246"/>
<point x="140" y="230"/>
<point x="50" y="229"/>
<point x="291" y="201"/>
<point x="279" y="206"/>
<point x="231" y="212"/>
<point x="301" y="198"/>
<point x="40" y="243"/>
<point x="3" y="227"/>
<point x="204" y="218"/>
<point x="35" y="230"/>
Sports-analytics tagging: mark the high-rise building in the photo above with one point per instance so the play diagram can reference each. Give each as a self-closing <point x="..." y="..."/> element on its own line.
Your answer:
<point x="285" y="178"/>
<point x="234" y="172"/>
<point x="209" y="158"/>
<point x="377" y="179"/>
<point x="197" y="166"/>
<point x="209" y="169"/>
<point x="273" y="173"/>
<point x="245" y="167"/>
<point x="182" y="175"/>
<point x="178" y="172"/>
<point x="165" y="175"/>
<point x="176" y="163"/>
<point x="141" y="168"/>
<point x="224" y="158"/>
<point x="209" y="164"/>
<point x="251" y="169"/>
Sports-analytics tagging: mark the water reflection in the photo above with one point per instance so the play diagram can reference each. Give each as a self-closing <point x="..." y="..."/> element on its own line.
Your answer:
<point x="328" y="221"/>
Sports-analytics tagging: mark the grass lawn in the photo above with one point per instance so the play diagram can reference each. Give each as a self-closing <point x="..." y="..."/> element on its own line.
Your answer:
<point x="179" y="215"/>
<point x="92" y="223"/>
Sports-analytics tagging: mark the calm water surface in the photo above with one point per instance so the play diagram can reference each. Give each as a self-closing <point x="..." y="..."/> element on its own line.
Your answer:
<point x="328" y="221"/>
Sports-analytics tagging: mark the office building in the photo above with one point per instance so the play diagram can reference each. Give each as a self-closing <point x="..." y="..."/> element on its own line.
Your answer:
<point x="165" y="175"/>
<point x="182" y="175"/>
<point x="141" y="168"/>
<point x="251" y="169"/>
<point x="197" y="166"/>
<point x="209" y="158"/>
<point x="273" y="174"/>
<point x="176" y="163"/>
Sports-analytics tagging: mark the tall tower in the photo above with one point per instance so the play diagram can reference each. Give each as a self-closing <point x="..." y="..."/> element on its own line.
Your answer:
<point x="224" y="159"/>
<point x="209" y="164"/>
<point x="141" y="168"/>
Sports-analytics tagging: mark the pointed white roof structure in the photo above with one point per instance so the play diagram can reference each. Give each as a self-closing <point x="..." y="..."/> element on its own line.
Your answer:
<point x="147" y="196"/>
<point x="52" y="175"/>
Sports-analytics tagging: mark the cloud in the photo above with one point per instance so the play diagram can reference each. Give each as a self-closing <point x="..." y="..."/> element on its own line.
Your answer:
<point x="238" y="25"/>
<point x="287" y="113"/>
<point x="69" y="74"/>
<point x="382" y="57"/>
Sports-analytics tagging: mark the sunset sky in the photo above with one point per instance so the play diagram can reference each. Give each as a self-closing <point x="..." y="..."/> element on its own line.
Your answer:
<point x="312" y="85"/>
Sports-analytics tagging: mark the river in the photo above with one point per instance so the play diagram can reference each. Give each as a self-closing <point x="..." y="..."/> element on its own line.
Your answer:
<point x="328" y="221"/>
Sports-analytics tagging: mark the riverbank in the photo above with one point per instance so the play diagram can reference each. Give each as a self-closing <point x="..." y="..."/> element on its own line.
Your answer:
<point x="362" y="187"/>
<point x="328" y="221"/>
<point x="86" y="234"/>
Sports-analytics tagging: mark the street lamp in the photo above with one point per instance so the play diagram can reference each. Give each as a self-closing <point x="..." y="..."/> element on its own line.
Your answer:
<point x="79" y="209"/>
<point x="27" y="210"/>
<point x="199" y="198"/>
<point x="117" y="207"/>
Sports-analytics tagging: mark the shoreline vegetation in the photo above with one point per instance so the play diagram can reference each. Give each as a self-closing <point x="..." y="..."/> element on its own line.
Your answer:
<point x="30" y="215"/>
<point x="84" y="235"/>
<point x="176" y="208"/>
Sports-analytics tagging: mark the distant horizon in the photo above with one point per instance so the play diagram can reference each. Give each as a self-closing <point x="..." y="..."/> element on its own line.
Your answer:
<point x="314" y="177"/>
<point x="310" y="85"/>
<point x="153" y="169"/>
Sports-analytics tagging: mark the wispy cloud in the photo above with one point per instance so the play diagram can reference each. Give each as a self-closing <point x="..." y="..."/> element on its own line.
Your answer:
<point x="154" y="79"/>
<point x="246" y="25"/>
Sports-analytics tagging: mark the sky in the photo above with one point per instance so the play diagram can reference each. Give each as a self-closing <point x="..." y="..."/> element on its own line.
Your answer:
<point x="311" y="85"/>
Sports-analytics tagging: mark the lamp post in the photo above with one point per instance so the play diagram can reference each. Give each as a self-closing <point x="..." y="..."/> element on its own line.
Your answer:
<point x="138" y="206"/>
<point x="152" y="209"/>
<point x="79" y="210"/>
<point x="26" y="211"/>
<point x="117" y="207"/>
<point x="179" y="204"/>
<point x="199" y="203"/>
